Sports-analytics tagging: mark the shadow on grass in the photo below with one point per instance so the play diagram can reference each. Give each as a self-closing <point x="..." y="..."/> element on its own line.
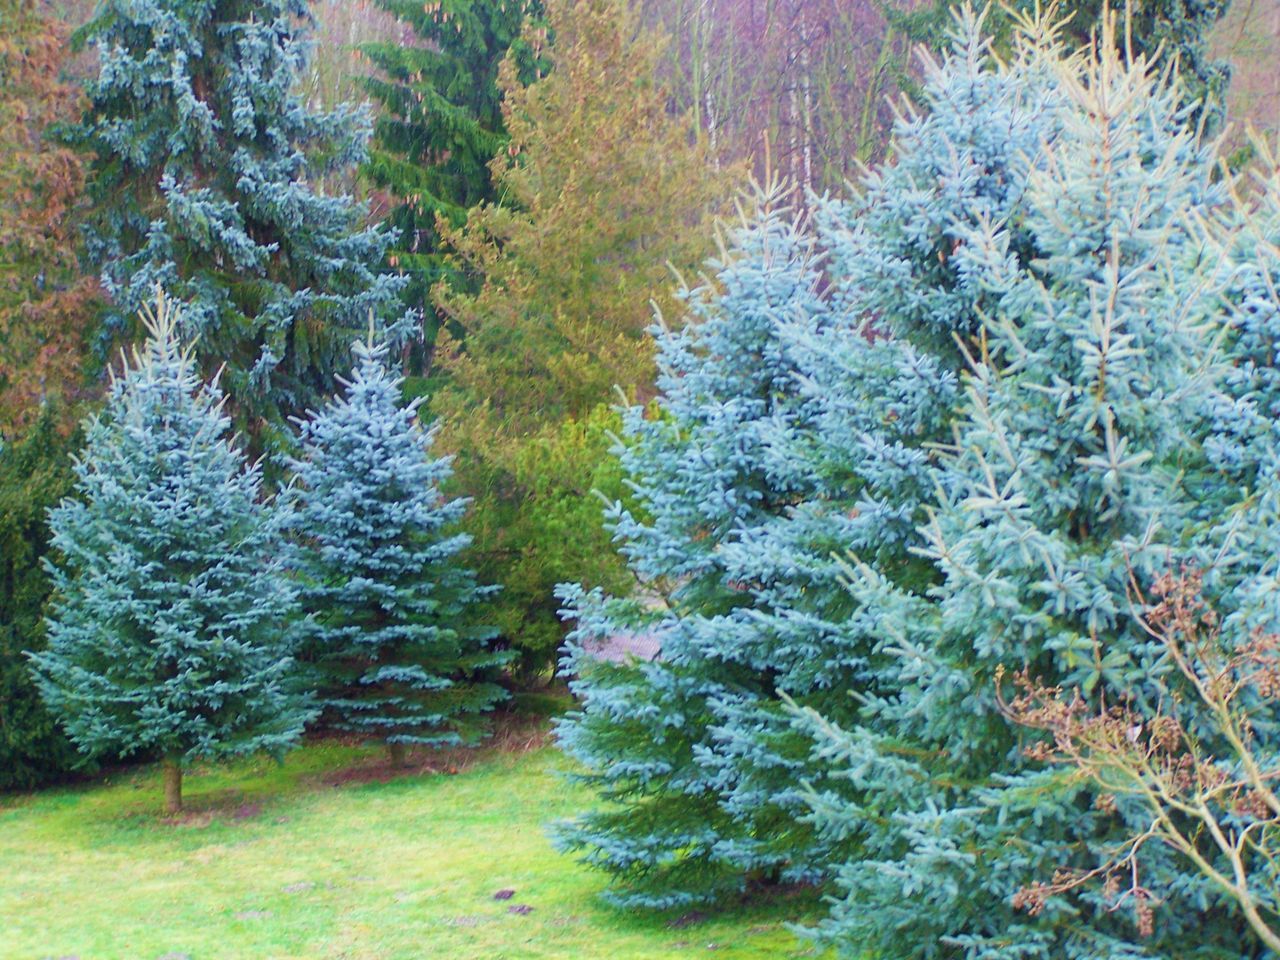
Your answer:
<point x="122" y="805"/>
<point x="512" y="734"/>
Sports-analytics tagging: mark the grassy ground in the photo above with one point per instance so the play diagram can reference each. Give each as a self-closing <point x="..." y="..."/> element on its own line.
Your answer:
<point x="326" y="857"/>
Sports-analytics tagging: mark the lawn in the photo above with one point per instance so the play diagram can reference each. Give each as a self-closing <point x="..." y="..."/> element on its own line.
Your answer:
<point x="327" y="856"/>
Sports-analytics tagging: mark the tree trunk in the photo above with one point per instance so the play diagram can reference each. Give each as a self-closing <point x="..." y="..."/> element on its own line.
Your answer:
<point x="172" y="786"/>
<point x="806" y="84"/>
<point x="397" y="752"/>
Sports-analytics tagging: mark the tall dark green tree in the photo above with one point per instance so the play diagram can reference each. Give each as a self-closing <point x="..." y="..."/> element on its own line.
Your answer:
<point x="206" y="177"/>
<point x="441" y="127"/>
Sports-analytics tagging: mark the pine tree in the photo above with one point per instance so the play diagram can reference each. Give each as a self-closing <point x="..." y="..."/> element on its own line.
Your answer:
<point x="35" y="473"/>
<point x="605" y="192"/>
<point x="398" y="654"/>
<point x="46" y="301"/>
<point x="206" y="171"/>
<point x="441" y="127"/>
<point x="169" y="631"/>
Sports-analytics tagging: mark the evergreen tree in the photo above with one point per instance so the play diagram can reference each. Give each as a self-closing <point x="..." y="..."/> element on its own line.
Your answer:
<point x="605" y="192"/>
<point x="702" y="473"/>
<point x="1246" y="413"/>
<point x="35" y="473"/>
<point x="1172" y="33"/>
<point x="840" y="458"/>
<point x="1048" y="230"/>
<point x="398" y="657"/>
<point x="169" y="630"/>
<point x="1079" y="473"/>
<point x="207" y="161"/>
<point x="441" y="127"/>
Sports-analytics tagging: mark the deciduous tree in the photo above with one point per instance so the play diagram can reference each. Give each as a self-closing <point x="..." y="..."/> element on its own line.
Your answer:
<point x="47" y="304"/>
<point x="800" y="87"/>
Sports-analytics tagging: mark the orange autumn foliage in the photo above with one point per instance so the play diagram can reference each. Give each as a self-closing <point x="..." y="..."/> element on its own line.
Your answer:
<point x="46" y="302"/>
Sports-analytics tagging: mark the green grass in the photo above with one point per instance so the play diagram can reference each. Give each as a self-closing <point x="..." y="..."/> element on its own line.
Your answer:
<point x="276" y="862"/>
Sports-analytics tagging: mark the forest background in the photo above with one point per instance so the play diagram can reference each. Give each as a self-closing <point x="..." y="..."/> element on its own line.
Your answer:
<point x="562" y="211"/>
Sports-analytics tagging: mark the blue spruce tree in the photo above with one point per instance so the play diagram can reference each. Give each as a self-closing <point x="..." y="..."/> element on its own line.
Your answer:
<point x="168" y="630"/>
<point x="881" y="372"/>
<point x="1086" y="462"/>
<point x="839" y="460"/>
<point x="399" y="657"/>
<point x="702" y="473"/>
<point x="1246" y="412"/>
<point x="208" y="174"/>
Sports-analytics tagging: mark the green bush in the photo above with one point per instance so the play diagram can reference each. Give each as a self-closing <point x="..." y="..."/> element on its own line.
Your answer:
<point x="536" y="521"/>
<point x="35" y="473"/>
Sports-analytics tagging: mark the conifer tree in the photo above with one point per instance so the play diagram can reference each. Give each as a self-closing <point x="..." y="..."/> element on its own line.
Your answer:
<point x="1246" y="412"/>
<point x="702" y="473"/>
<point x="1047" y="230"/>
<point x="605" y="192"/>
<point x="1172" y="33"/>
<point x="169" y="631"/>
<point x="441" y="127"/>
<point x="842" y="459"/>
<point x="400" y="657"/>
<point x="206" y="172"/>
<point x="1080" y="472"/>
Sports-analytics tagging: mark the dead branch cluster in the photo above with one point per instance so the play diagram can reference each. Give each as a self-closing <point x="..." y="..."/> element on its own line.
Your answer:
<point x="1192" y="763"/>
